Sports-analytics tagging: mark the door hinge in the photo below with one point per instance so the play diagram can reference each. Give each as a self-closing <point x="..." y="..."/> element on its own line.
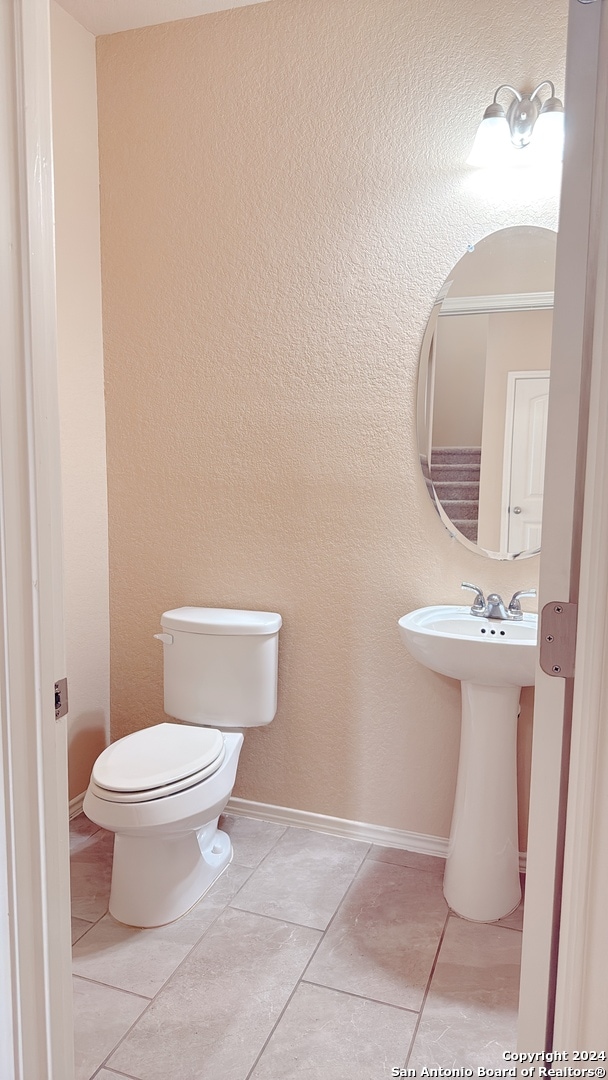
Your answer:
<point x="61" y="698"/>
<point x="558" y="639"/>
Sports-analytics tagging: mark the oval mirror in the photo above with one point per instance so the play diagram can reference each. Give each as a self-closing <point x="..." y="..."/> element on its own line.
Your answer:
<point x="483" y="392"/>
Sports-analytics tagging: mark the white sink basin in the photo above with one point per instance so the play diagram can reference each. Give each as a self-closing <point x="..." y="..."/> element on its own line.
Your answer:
<point x="492" y="659"/>
<point x="489" y="652"/>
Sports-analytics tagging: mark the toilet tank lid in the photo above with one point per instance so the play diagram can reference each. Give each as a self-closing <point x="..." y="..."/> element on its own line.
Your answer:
<point x="200" y="620"/>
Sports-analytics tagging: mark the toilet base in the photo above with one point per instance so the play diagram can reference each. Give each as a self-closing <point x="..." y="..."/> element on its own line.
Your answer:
<point x="157" y="879"/>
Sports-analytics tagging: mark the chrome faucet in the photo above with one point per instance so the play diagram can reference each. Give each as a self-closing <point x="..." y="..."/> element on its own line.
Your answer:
<point x="494" y="606"/>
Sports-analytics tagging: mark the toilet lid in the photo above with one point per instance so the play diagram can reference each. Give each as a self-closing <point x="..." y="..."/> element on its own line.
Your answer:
<point x="158" y="757"/>
<point x="151" y="794"/>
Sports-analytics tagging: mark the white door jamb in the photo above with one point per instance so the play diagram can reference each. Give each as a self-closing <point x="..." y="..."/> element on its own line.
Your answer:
<point x="36" y="1016"/>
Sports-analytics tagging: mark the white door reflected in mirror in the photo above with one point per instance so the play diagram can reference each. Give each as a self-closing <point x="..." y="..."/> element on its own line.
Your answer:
<point x="525" y="442"/>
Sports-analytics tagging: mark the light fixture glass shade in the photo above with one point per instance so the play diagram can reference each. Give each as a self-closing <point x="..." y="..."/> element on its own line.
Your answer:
<point x="492" y="144"/>
<point x="548" y="138"/>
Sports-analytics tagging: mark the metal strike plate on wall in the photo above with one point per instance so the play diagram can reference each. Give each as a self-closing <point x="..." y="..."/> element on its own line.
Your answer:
<point x="558" y="639"/>
<point x="61" y="698"/>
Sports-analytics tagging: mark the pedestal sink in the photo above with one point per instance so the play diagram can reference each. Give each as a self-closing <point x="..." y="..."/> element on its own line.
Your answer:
<point x="493" y="659"/>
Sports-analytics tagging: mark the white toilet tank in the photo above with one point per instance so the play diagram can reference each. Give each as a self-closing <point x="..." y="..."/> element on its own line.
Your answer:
<point x="220" y="666"/>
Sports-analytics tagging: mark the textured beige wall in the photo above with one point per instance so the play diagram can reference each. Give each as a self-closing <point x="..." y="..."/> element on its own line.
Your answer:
<point x="83" y="459"/>
<point x="283" y="193"/>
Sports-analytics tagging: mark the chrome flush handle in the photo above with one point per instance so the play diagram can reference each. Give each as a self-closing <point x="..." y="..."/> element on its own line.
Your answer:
<point x="479" y="604"/>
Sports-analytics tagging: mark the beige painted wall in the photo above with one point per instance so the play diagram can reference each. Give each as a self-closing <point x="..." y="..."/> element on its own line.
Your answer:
<point x="512" y="261"/>
<point x="283" y="193"/>
<point x="460" y="371"/>
<point x="82" y="419"/>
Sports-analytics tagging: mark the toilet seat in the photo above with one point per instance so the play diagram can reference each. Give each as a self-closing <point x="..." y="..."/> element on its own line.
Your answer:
<point x="156" y="762"/>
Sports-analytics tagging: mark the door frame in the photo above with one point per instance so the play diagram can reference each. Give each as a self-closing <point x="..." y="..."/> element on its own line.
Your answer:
<point x="34" y="929"/>
<point x="582" y="947"/>
<point x="36" y="1027"/>
<point x="558" y="794"/>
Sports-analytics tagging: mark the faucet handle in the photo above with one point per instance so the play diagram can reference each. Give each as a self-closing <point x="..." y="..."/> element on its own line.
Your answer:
<point x="479" y="603"/>
<point x="514" y="604"/>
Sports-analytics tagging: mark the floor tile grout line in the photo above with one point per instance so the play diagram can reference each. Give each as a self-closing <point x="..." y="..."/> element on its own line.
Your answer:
<point x="115" y="1072"/>
<point x="104" y="1063"/>
<point x="175" y="971"/>
<point x="110" y="986"/>
<point x="306" y="966"/>
<point x="80" y="937"/>
<point x="106" y="912"/>
<point x="394" y="866"/>
<point x="270" y="849"/>
<point x="301" y="980"/>
<point x="169" y="977"/>
<point x="229" y="904"/>
<point x="427" y="989"/>
<point x="81" y="918"/>
<point x="276" y="918"/>
<point x="182" y="961"/>
<point x="296" y="828"/>
<point x="359" y="997"/>
<point x="335" y="914"/>
<point x="407" y="866"/>
<point x="198" y="941"/>
<point x="290" y="922"/>
<point x="166" y="983"/>
<point x="403" y="866"/>
<point x="274" y="1028"/>
<point x="83" y="934"/>
<point x="502" y="926"/>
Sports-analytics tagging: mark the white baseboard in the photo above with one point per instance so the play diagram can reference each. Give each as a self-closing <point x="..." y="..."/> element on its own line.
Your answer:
<point x="356" y="830"/>
<point x="76" y="805"/>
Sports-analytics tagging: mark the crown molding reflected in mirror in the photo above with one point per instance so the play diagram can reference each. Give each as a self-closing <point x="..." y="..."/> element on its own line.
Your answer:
<point x="483" y="385"/>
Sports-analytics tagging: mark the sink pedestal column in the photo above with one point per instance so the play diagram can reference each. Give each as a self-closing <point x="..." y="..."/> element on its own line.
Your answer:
<point x="482" y="871"/>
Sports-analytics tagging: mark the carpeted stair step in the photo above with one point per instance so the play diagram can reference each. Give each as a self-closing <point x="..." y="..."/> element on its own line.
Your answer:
<point x="456" y="472"/>
<point x="461" y="509"/>
<point x="467" y="528"/>
<point x="450" y="490"/>
<point x="452" y="454"/>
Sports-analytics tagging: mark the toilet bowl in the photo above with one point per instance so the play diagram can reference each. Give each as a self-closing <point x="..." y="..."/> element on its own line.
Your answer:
<point x="161" y="789"/>
<point x="168" y="850"/>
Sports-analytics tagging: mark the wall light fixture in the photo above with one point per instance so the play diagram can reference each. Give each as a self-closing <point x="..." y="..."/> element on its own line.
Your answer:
<point x="528" y="131"/>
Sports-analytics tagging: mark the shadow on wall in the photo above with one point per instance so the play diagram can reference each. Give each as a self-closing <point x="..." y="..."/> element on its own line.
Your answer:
<point x="524" y="762"/>
<point x="87" y="738"/>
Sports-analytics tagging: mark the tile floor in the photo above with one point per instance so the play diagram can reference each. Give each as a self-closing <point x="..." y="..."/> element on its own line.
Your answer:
<point x="312" y="957"/>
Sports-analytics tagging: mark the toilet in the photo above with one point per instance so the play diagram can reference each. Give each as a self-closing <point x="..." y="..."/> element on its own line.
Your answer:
<point x="161" y="790"/>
